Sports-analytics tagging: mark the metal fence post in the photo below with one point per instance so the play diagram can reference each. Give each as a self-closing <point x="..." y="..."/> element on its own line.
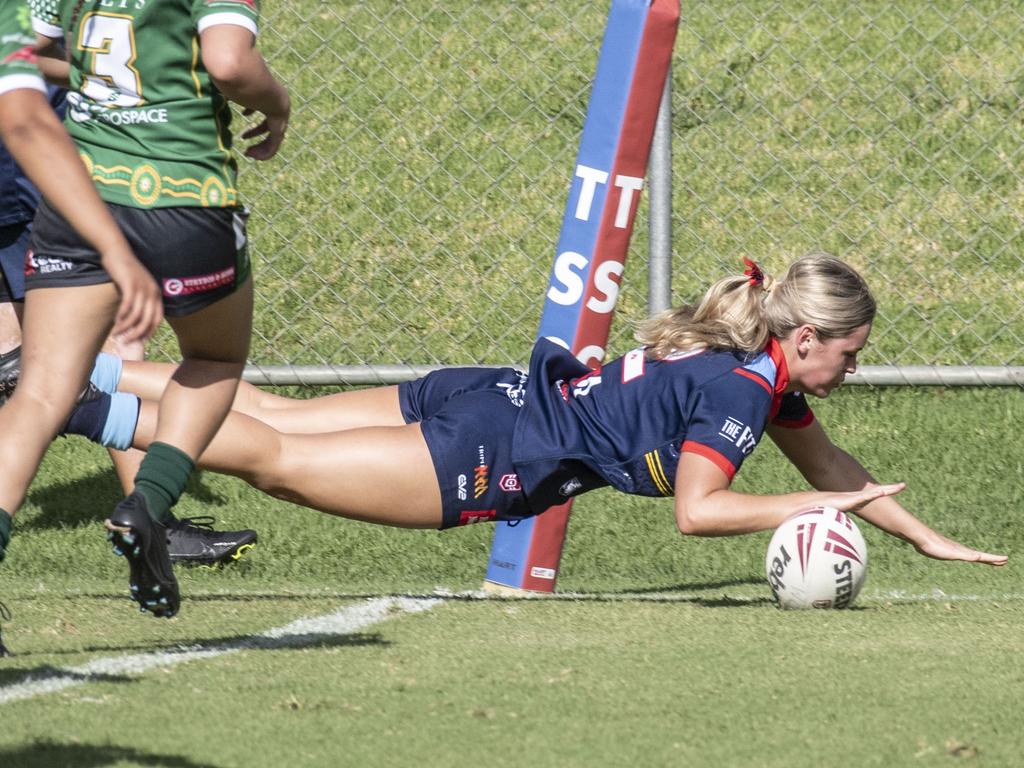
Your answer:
<point x="659" y="289"/>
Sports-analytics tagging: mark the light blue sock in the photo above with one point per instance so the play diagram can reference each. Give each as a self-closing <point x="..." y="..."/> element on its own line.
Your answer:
<point x="106" y="373"/>
<point x="119" y="428"/>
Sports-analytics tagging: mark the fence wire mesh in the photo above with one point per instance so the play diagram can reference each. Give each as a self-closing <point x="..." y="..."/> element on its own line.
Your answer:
<point x="412" y="216"/>
<point x="887" y="133"/>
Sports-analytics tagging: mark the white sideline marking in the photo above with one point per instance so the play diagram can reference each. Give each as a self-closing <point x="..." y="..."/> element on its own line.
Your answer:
<point x="342" y="622"/>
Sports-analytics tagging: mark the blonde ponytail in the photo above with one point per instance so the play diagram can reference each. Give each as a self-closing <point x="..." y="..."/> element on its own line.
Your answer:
<point x="742" y="311"/>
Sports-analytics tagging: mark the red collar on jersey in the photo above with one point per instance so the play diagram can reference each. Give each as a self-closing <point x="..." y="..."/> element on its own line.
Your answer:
<point x="774" y="350"/>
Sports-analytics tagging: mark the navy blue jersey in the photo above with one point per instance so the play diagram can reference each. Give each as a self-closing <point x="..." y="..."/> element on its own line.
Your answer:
<point x="627" y="423"/>
<point x="18" y="196"/>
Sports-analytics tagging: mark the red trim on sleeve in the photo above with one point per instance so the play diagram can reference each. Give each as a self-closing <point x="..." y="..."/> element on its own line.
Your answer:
<point x="712" y="455"/>
<point x="754" y="377"/>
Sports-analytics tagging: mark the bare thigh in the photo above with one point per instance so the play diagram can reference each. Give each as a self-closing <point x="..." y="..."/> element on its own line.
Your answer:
<point x="382" y="475"/>
<point x="376" y="407"/>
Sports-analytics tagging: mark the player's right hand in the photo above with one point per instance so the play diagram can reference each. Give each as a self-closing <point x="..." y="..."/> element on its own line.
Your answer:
<point x="141" y="308"/>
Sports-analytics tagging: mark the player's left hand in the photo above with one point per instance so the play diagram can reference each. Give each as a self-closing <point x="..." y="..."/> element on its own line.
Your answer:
<point x="941" y="548"/>
<point x="273" y="127"/>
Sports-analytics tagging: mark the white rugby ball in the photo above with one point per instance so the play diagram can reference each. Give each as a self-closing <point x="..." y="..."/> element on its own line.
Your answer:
<point x="816" y="559"/>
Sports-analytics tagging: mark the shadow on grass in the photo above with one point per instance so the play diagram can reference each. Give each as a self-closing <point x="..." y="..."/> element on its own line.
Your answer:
<point x="688" y="587"/>
<point x="90" y="499"/>
<point x="678" y="593"/>
<point x="46" y="672"/>
<point x="49" y="754"/>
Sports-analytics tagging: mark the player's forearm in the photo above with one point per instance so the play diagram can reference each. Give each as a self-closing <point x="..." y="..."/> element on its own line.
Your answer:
<point x="52" y="62"/>
<point x="727" y="513"/>
<point x="37" y="140"/>
<point x="844" y="473"/>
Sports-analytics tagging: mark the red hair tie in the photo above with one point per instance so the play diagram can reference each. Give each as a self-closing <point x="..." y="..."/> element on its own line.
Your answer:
<point x="753" y="272"/>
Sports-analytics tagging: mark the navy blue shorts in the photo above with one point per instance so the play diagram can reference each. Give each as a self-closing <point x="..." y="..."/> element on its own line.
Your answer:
<point x="14" y="243"/>
<point x="468" y="416"/>
<point x="197" y="255"/>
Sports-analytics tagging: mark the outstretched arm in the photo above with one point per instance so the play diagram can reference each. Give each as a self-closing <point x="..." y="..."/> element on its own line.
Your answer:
<point x="828" y="467"/>
<point x="706" y="507"/>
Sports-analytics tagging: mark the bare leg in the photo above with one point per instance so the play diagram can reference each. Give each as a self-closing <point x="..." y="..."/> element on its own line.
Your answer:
<point x="126" y="463"/>
<point x="380" y="475"/>
<point x="214" y="343"/>
<point x="376" y="407"/>
<point x="64" y="327"/>
<point x="10" y="326"/>
<point x="146" y="379"/>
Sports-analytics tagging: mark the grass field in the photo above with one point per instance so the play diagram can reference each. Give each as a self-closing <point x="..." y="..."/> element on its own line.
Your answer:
<point x="411" y="218"/>
<point x="658" y="651"/>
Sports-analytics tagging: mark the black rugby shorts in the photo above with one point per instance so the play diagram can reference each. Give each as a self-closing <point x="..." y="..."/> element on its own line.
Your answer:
<point x="197" y="255"/>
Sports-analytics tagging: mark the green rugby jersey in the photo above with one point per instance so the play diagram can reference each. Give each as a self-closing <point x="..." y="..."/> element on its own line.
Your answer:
<point x="152" y="128"/>
<point x="17" y="46"/>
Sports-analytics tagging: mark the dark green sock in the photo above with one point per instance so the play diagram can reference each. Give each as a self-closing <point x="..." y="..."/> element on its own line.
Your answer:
<point x="162" y="477"/>
<point x="5" y="533"/>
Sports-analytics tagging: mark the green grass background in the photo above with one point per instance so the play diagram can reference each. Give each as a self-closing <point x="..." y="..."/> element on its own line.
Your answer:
<point x="411" y="218"/>
<point x="663" y="650"/>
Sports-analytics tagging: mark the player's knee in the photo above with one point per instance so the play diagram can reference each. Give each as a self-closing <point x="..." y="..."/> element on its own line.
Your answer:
<point x="48" y="405"/>
<point x="270" y="471"/>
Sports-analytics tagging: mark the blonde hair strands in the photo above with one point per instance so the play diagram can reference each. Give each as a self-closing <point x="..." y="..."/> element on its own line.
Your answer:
<point x="739" y="313"/>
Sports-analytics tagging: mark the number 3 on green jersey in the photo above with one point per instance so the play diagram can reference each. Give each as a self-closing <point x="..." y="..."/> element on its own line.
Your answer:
<point x="152" y="128"/>
<point x="112" y="81"/>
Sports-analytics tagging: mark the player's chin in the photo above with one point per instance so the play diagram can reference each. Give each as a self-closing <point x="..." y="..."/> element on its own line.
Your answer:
<point x="827" y="389"/>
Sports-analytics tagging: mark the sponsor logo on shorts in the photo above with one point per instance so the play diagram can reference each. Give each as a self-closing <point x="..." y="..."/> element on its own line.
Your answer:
<point x="470" y="516"/>
<point x="44" y="266"/>
<point x="569" y="487"/>
<point x="739" y="433"/>
<point x="463" y="480"/>
<point x="581" y="387"/>
<point x="481" y="474"/>
<point x="516" y="392"/>
<point x="542" y="573"/>
<point x="510" y="483"/>
<point x="183" y="286"/>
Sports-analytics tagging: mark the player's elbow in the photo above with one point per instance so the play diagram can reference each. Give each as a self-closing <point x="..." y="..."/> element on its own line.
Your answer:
<point x="689" y="519"/>
<point x="26" y="119"/>
<point x="19" y="115"/>
<point x="227" y="67"/>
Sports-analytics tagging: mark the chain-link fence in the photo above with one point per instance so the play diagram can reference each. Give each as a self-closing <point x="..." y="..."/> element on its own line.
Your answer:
<point x="889" y="133"/>
<point x="412" y="217"/>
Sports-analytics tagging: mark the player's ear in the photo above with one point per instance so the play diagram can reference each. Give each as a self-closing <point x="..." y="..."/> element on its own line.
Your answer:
<point x="804" y="335"/>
